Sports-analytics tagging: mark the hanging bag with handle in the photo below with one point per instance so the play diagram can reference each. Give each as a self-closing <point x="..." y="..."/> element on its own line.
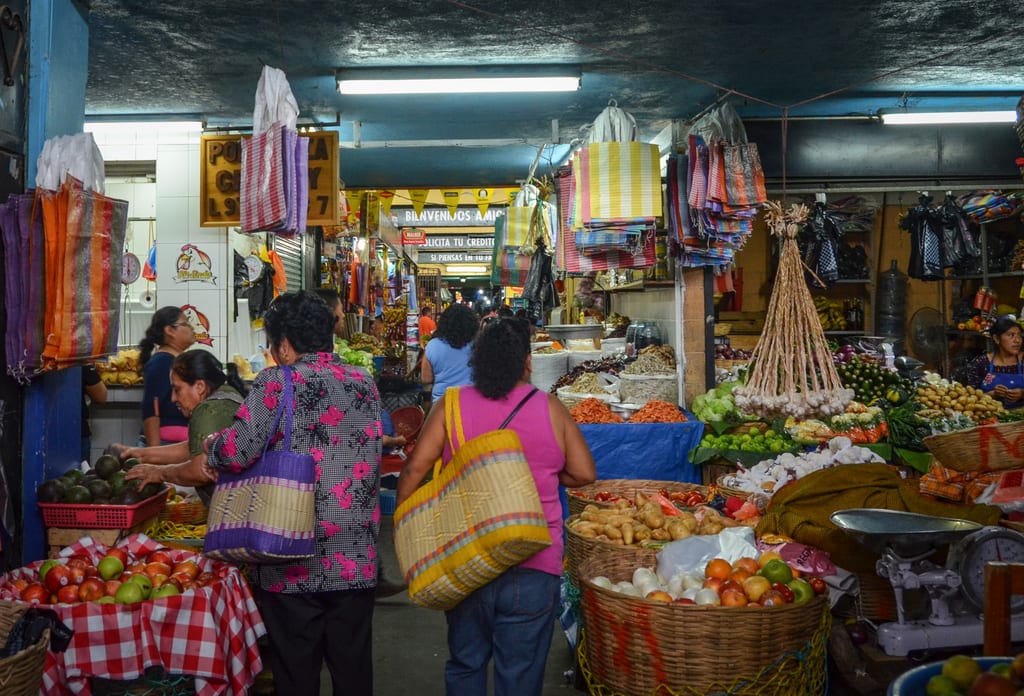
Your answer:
<point x="479" y="516"/>
<point x="266" y="513"/>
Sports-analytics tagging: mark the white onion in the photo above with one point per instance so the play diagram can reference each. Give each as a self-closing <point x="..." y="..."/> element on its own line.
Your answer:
<point x="692" y="580"/>
<point x="707" y="596"/>
<point x="643" y="574"/>
<point x="602" y="581"/>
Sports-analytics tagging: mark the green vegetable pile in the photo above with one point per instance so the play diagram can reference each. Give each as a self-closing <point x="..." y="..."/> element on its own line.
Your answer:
<point x="753" y="440"/>
<point x="717" y="405"/>
<point x="359" y="358"/>
<point x="871" y="382"/>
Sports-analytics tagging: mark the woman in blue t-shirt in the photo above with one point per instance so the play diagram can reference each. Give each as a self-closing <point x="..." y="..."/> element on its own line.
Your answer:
<point x="168" y="335"/>
<point x="446" y="357"/>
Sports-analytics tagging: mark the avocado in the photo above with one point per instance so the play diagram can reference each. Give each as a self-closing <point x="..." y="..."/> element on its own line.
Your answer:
<point x="106" y="466"/>
<point x="129" y="463"/>
<point x="99" y="489"/>
<point x="73" y="475"/>
<point x="51" y="491"/>
<point x="116" y="482"/>
<point x="150" y="490"/>
<point x="78" y="494"/>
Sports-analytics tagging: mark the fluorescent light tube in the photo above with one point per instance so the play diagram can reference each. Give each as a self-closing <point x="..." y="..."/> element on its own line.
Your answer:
<point x="467" y="270"/>
<point x="940" y="117"/>
<point x="459" y="85"/>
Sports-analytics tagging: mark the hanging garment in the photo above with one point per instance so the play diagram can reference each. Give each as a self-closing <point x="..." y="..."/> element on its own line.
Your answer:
<point x="613" y="125"/>
<point x="280" y="277"/>
<point x="958" y="241"/>
<point x="924" y="225"/>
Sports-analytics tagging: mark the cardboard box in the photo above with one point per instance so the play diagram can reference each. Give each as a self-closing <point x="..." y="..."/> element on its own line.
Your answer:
<point x="59" y="537"/>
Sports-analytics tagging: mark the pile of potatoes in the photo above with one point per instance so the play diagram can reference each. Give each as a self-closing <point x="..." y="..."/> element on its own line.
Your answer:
<point x="970" y="401"/>
<point x="634" y="524"/>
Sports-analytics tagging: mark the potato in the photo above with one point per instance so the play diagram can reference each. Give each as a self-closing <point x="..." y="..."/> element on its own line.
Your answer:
<point x="612" y="532"/>
<point x="627" y="534"/>
<point x="661" y="535"/>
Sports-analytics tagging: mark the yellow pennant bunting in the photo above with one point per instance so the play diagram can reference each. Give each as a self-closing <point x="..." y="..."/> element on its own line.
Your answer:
<point x="355" y="200"/>
<point x="387" y="197"/>
<point x="419" y="198"/>
<point x="483" y="199"/>
<point x="451" y="199"/>
<point x="510" y="194"/>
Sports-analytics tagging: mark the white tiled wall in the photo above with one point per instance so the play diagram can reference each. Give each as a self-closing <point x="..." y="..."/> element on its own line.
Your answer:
<point x="173" y="200"/>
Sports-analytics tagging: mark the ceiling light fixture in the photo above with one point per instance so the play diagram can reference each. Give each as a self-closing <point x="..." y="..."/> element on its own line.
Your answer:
<point x="943" y="117"/>
<point x="449" y="81"/>
<point x="466" y="270"/>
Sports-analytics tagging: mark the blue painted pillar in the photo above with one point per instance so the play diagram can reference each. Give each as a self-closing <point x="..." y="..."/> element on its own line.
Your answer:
<point x="58" y="58"/>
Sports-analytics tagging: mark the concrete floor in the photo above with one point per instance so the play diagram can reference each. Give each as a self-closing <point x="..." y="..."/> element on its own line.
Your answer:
<point x="410" y="644"/>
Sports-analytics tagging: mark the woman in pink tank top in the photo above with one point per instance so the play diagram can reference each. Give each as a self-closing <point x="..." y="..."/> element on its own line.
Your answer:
<point x="511" y="619"/>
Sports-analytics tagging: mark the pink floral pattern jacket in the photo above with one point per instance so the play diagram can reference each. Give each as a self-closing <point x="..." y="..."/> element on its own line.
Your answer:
<point x="336" y="419"/>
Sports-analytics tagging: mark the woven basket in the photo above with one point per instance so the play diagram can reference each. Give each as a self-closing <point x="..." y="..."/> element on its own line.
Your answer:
<point x="21" y="674"/>
<point x="579" y="548"/>
<point x="185" y="513"/>
<point x="640" y="647"/>
<point x="580" y="497"/>
<point x="994" y="447"/>
<point x="730" y="491"/>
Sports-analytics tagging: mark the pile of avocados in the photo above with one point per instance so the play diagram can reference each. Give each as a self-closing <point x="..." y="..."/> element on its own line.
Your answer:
<point x="104" y="484"/>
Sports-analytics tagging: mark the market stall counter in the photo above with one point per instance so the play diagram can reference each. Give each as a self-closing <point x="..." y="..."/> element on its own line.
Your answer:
<point x="208" y="633"/>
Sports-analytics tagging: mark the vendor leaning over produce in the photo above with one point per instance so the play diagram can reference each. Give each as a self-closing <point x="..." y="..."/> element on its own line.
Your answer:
<point x="1001" y="373"/>
<point x="209" y="400"/>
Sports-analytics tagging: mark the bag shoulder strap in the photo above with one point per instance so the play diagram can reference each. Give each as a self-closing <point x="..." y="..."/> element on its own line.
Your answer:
<point x="284" y="407"/>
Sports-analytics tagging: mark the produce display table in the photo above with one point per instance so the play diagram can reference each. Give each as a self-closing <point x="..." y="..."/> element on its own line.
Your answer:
<point x="658" y="451"/>
<point x="209" y="632"/>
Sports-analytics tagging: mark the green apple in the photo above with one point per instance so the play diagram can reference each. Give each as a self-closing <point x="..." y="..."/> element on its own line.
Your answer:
<point x="167" y="590"/>
<point x="802" y="590"/>
<point x="110" y="567"/>
<point x="129" y="593"/>
<point x="106" y="599"/>
<point x="143" y="581"/>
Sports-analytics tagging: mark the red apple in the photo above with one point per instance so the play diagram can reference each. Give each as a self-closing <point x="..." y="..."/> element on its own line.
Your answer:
<point x="111" y="587"/>
<point x="135" y="568"/>
<point x="19" y="584"/>
<point x="69" y="594"/>
<point x="189" y="568"/>
<point x="157" y="568"/>
<point x="159" y="579"/>
<point x="92" y="571"/>
<point x="78" y="562"/>
<point x="121" y="554"/>
<point x="731" y="585"/>
<point x="159" y="556"/>
<point x="683" y="600"/>
<point x="35" y="594"/>
<point x="714" y="583"/>
<point x="77" y="575"/>
<point x="57" y="577"/>
<point x="204" y="579"/>
<point x="772" y="598"/>
<point x="92" y="589"/>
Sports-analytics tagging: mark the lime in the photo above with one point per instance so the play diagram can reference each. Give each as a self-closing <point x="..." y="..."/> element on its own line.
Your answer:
<point x="962" y="670"/>
<point x="940" y="686"/>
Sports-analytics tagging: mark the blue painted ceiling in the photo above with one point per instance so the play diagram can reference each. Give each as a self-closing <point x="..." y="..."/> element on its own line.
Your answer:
<point x="661" y="60"/>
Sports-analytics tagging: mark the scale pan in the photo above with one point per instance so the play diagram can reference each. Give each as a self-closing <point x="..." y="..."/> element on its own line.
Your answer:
<point x="908" y="534"/>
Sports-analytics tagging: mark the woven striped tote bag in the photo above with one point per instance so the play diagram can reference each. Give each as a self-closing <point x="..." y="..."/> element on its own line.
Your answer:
<point x="479" y="516"/>
<point x="266" y="513"/>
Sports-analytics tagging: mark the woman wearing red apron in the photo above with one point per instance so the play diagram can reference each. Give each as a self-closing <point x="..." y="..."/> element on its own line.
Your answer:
<point x="1004" y="380"/>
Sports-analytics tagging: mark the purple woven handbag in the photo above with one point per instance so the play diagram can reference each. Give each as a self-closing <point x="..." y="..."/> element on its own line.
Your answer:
<point x="267" y="513"/>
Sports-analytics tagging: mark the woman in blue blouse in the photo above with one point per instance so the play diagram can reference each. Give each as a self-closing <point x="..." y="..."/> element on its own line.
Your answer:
<point x="168" y="335"/>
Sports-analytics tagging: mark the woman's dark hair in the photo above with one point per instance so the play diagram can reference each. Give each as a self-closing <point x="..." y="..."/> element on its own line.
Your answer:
<point x="154" y="338"/>
<point x="304" y="319"/>
<point x="199" y="365"/>
<point x="457" y="326"/>
<point x="499" y="356"/>
<point x="330" y="296"/>
<point x="504" y="311"/>
<point x="1002" y="325"/>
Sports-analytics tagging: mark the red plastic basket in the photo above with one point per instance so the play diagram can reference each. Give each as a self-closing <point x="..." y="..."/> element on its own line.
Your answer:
<point x="92" y="516"/>
<point x="407" y="421"/>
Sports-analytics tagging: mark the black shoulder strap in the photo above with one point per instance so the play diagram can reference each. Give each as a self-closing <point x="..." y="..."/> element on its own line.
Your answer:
<point x="516" y="409"/>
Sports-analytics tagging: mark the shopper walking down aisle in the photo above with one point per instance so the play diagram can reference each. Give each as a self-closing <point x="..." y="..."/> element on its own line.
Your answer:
<point x="318" y="609"/>
<point x="446" y="357"/>
<point x="511" y="619"/>
<point x="168" y="335"/>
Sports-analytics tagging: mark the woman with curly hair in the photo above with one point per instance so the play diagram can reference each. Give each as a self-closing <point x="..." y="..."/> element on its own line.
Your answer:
<point x="446" y="357"/>
<point x="512" y="618"/>
<point x="318" y="609"/>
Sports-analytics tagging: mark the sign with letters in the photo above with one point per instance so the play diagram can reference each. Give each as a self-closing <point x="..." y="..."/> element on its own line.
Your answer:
<point x="220" y="178"/>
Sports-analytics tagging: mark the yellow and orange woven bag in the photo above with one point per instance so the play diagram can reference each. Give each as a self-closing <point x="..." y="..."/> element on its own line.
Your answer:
<point x="479" y="516"/>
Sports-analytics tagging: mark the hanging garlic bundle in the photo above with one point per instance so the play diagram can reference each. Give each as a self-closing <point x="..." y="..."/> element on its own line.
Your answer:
<point x="792" y="373"/>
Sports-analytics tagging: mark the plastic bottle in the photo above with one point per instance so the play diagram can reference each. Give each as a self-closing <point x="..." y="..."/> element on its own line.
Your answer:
<point x="891" y="303"/>
<point x="257" y="362"/>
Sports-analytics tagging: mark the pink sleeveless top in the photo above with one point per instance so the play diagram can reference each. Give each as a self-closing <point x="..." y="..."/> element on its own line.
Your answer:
<point x="546" y="458"/>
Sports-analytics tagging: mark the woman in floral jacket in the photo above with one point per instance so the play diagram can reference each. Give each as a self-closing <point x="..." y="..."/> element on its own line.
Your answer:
<point x="320" y="608"/>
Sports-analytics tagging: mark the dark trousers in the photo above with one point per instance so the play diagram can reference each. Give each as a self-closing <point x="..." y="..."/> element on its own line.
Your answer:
<point x="305" y="630"/>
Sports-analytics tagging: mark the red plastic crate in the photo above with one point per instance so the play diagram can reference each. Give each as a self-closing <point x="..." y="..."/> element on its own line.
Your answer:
<point x="93" y="516"/>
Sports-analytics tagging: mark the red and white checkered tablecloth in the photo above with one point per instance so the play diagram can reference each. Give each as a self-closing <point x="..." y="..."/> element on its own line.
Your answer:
<point x="208" y="632"/>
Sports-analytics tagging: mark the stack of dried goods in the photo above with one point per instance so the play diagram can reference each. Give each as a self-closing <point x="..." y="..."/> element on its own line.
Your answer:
<point x="121" y="369"/>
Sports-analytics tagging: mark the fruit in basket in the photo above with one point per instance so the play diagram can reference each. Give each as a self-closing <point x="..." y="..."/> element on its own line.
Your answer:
<point x="802" y="591"/>
<point x="188" y="568"/>
<point x="51" y="491"/>
<point x="92" y="589"/>
<point x="35" y="594"/>
<point x="143" y="581"/>
<point x="69" y="594"/>
<point x="160" y="556"/>
<point x="73" y="475"/>
<point x="991" y="684"/>
<point x="130" y="593"/>
<point x="165" y="590"/>
<point x="111" y="567"/>
<point x="57" y="577"/>
<point x="776" y="570"/>
<point x="962" y="670"/>
<point x="120" y="554"/>
<point x="77" y="495"/>
<point x="129" y="463"/>
<point x="106" y="466"/>
<point x="99" y="490"/>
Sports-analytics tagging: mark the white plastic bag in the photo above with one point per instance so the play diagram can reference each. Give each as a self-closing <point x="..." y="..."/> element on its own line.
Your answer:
<point x="77" y="155"/>
<point x="694" y="552"/>
<point x="274" y="102"/>
<point x="614" y="125"/>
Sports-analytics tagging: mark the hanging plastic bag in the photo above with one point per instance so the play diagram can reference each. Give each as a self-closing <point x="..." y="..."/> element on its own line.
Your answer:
<point x="958" y="241"/>
<point x="614" y="125"/>
<point x="924" y="224"/>
<point x="275" y="102"/>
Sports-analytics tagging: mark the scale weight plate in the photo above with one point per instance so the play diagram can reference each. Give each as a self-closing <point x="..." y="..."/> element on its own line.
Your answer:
<point x="969" y="556"/>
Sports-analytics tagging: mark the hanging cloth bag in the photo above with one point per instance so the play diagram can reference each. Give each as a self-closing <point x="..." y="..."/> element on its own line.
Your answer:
<point x="479" y="516"/>
<point x="266" y="513"/>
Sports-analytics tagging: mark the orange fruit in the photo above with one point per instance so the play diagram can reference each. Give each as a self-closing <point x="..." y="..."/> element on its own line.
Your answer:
<point x="746" y="563"/>
<point x="767" y="556"/>
<point x="717" y="568"/>
<point x="740" y="574"/>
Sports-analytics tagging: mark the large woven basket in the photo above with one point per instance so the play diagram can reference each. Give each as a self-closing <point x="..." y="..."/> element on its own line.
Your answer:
<point x="22" y="673"/>
<point x="994" y="447"/>
<point x="579" y="548"/>
<point x="639" y="647"/>
<point x="729" y="490"/>
<point x="580" y="497"/>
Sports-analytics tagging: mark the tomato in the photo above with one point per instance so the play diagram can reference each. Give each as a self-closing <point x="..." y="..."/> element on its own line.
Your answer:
<point x="784" y="590"/>
<point x="816" y="583"/>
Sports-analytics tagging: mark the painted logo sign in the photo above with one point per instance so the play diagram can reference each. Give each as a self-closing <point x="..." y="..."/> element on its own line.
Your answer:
<point x="194" y="265"/>
<point x="200" y="324"/>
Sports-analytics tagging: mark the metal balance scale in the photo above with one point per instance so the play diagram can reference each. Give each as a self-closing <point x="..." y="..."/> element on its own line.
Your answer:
<point x="956" y="591"/>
